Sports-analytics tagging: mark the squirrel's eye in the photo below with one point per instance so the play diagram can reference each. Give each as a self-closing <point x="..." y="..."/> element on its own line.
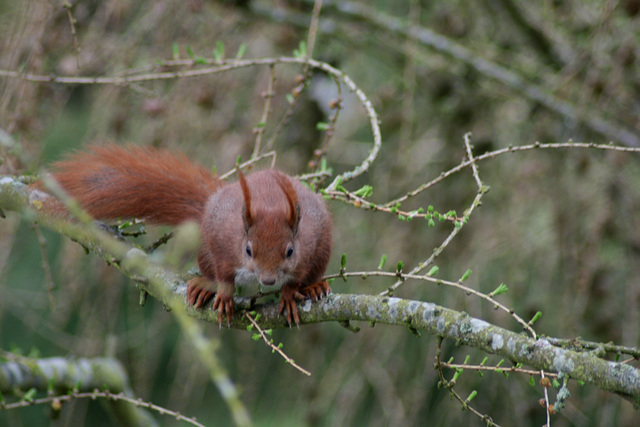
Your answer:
<point x="249" y="251"/>
<point x="289" y="251"/>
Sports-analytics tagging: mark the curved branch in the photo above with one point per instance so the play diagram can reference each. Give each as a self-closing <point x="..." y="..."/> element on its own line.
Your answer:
<point x="214" y="67"/>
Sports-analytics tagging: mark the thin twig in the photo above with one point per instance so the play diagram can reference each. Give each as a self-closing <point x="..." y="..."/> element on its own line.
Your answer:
<point x="336" y="105"/>
<point x="265" y="113"/>
<point x="510" y="149"/>
<point x="497" y="369"/>
<point x="46" y="267"/>
<point x="72" y="22"/>
<point x="313" y="27"/>
<point x="251" y="161"/>
<point x="104" y="395"/>
<point x="273" y="346"/>
<point x="449" y="385"/>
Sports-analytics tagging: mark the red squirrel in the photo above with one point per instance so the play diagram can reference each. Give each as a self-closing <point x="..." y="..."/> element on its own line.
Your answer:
<point x="265" y="228"/>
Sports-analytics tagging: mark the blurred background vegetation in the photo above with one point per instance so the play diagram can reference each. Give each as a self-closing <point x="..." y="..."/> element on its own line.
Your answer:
<point x="559" y="227"/>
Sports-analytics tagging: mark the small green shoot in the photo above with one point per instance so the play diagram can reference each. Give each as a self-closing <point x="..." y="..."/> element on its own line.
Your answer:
<point x="383" y="260"/>
<point x="364" y="191"/>
<point x="218" y="52"/>
<point x="241" y="51"/>
<point x="535" y="318"/>
<point x="301" y="52"/>
<point x="502" y="289"/>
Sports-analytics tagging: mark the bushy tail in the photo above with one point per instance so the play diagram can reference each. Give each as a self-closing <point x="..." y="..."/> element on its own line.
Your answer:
<point x="134" y="182"/>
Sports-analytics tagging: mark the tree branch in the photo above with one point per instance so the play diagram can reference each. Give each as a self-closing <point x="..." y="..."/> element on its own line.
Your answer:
<point x="539" y="353"/>
<point x="64" y="374"/>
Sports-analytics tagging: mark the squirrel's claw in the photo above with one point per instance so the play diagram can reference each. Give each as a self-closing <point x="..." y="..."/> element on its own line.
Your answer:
<point x="197" y="293"/>
<point x="291" y="294"/>
<point x="316" y="291"/>
<point x="224" y="305"/>
<point x="288" y="303"/>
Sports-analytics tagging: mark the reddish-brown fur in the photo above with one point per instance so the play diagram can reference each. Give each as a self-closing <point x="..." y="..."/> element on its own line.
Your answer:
<point x="266" y="227"/>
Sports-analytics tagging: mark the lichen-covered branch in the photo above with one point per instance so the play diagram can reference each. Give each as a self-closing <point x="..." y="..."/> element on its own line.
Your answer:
<point x="539" y="353"/>
<point x="58" y="374"/>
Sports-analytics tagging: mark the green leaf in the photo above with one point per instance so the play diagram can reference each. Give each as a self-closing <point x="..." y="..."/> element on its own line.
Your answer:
<point x="322" y="126"/>
<point x="255" y="337"/>
<point x="473" y="394"/>
<point x="466" y="275"/>
<point x="433" y="271"/>
<point x="343" y="261"/>
<point x="189" y="51"/>
<point x="532" y="381"/>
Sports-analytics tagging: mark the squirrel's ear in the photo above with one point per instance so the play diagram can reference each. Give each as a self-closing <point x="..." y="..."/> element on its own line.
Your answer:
<point x="246" y="210"/>
<point x="293" y="215"/>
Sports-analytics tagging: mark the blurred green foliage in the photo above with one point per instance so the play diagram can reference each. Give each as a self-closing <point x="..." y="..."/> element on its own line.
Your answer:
<point x="559" y="227"/>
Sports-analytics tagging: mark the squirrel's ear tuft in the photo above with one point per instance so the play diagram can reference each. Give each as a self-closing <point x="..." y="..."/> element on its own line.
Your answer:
<point x="293" y="214"/>
<point x="246" y="211"/>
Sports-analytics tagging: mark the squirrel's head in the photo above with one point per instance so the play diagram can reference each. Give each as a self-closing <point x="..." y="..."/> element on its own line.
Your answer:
<point x="271" y="216"/>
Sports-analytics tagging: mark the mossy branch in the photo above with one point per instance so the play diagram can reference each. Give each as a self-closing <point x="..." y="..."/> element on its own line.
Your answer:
<point x="63" y="375"/>
<point x="538" y="353"/>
